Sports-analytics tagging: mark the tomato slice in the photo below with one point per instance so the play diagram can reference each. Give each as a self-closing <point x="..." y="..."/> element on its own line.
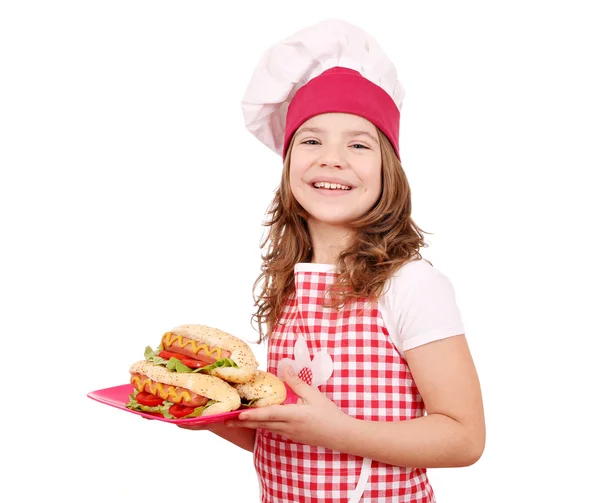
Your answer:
<point x="194" y="364"/>
<point x="179" y="410"/>
<point x="169" y="354"/>
<point x="148" y="399"/>
<point x="186" y="360"/>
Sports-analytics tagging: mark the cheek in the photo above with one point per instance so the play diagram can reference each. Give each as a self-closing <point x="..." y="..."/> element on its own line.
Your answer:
<point x="297" y="171"/>
<point x="295" y="175"/>
<point x="294" y="185"/>
<point x="372" y="180"/>
<point x="378" y="176"/>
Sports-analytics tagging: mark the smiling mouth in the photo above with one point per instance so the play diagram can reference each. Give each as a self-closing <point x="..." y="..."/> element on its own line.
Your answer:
<point x="331" y="186"/>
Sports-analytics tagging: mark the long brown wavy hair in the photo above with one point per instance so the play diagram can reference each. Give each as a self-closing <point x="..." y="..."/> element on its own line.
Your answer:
<point x="383" y="240"/>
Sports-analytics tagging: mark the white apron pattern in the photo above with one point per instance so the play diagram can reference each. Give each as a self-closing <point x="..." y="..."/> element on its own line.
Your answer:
<point x="313" y="371"/>
<point x="369" y="380"/>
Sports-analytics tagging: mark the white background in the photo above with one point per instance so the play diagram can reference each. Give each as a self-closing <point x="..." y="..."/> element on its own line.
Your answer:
<point x="132" y="197"/>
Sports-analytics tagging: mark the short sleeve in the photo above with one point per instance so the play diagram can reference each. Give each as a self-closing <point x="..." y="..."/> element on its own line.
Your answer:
<point x="420" y="306"/>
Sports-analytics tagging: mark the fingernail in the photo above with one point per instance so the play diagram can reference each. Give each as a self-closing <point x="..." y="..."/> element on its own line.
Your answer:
<point x="291" y="372"/>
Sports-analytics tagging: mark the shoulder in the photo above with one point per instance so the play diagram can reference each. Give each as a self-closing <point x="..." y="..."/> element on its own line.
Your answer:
<point x="416" y="274"/>
<point x="419" y="305"/>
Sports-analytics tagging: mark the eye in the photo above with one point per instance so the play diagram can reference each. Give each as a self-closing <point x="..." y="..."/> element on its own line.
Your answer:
<point x="359" y="146"/>
<point x="310" y="142"/>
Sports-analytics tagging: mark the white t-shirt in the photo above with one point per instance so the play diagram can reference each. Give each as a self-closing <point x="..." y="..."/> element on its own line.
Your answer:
<point x="419" y="306"/>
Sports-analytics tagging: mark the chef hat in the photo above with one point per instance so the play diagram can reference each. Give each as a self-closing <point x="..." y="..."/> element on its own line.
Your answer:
<point x="332" y="66"/>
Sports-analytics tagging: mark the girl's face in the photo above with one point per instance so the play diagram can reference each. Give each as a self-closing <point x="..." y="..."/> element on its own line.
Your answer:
<point x="335" y="167"/>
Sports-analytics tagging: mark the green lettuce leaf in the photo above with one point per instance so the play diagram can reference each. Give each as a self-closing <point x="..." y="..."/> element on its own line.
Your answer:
<point x="199" y="410"/>
<point x="223" y="362"/>
<point x="163" y="408"/>
<point x="175" y="365"/>
<point x="152" y="356"/>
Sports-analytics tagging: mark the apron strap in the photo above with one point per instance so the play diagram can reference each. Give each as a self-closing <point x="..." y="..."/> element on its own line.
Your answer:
<point x="365" y="472"/>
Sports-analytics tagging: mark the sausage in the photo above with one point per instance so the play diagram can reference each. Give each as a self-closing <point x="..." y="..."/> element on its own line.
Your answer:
<point x="175" y="394"/>
<point x="192" y="348"/>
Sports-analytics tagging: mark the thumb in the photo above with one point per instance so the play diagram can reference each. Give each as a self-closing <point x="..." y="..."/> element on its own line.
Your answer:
<point x="297" y="385"/>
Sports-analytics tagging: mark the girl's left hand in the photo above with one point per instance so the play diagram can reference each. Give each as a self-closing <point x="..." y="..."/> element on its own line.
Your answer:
<point x="314" y="420"/>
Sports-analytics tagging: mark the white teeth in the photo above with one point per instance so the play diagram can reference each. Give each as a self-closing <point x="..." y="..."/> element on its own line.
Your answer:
<point x="327" y="185"/>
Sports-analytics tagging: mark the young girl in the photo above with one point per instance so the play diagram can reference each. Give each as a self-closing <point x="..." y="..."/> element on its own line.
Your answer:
<point x="365" y="332"/>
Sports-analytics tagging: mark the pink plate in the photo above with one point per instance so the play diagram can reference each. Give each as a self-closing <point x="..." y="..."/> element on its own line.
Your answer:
<point x="118" y="396"/>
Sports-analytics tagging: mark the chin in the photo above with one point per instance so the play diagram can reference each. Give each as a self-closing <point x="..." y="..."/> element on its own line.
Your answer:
<point x="333" y="213"/>
<point x="330" y="218"/>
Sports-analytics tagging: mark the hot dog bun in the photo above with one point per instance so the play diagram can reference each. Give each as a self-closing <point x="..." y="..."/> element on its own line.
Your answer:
<point x="264" y="386"/>
<point x="211" y="387"/>
<point x="241" y="353"/>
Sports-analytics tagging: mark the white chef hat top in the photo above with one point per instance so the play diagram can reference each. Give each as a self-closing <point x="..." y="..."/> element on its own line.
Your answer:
<point x="290" y="64"/>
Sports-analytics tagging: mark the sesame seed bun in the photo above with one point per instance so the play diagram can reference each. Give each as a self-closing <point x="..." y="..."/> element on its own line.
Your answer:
<point x="268" y="388"/>
<point x="241" y="353"/>
<point x="205" y="385"/>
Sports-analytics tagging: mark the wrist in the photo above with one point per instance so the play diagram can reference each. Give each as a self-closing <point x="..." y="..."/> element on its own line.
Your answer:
<point x="343" y="433"/>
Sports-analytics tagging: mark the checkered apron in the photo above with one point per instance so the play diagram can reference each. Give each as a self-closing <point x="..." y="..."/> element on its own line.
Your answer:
<point x="370" y="380"/>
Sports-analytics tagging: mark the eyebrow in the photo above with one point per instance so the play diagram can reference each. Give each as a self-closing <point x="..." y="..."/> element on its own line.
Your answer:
<point x="356" y="132"/>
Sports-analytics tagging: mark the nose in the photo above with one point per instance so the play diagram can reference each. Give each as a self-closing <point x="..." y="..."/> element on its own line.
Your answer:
<point x="332" y="156"/>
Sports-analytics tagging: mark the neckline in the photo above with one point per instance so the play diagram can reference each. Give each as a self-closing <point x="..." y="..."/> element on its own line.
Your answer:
<point x="310" y="267"/>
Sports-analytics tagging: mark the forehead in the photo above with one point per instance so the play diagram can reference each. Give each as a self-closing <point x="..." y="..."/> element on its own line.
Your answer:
<point x="340" y="122"/>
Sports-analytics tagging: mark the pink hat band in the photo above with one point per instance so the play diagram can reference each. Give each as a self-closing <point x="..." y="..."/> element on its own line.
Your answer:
<point x="344" y="90"/>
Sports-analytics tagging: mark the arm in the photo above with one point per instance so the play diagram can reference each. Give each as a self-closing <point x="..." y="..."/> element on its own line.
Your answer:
<point x="453" y="431"/>
<point x="242" y="437"/>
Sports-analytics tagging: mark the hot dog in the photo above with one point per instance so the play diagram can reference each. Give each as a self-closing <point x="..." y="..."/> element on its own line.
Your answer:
<point x="179" y="395"/>
<point x="262" y="390"/>
<point x="205" y="349"/>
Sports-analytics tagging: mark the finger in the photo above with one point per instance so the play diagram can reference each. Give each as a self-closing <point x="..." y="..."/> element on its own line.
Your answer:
<point x="275" y="418"/>
<point x="298" y="386"/>
<point x="270" y="414"/>
<point x="274" y="426"/>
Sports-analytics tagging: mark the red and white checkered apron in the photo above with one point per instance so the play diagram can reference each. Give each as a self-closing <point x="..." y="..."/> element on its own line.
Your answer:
<point x="370" y="380"/>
